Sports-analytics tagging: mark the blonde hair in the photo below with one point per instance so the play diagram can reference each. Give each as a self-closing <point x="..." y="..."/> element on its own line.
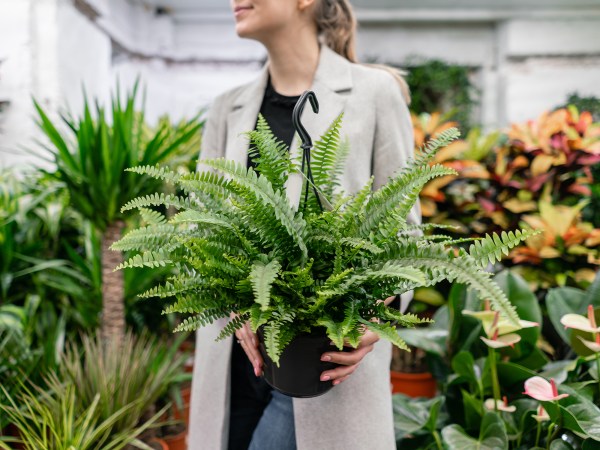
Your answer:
<point x="336" y="25"/>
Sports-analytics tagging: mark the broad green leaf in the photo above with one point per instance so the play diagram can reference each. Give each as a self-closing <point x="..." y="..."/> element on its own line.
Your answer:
<point x="492" y="435"/>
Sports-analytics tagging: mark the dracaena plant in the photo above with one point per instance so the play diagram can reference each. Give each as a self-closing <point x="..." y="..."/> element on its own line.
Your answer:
<point x="250" y="251"/>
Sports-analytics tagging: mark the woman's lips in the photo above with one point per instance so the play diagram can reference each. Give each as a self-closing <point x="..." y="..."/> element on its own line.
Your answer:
<point x="239" y="10"/>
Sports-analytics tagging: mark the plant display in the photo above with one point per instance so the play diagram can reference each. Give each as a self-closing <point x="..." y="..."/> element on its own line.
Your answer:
<point x="133" y="374"/>
<point x="538" y="175"/>
<point x="439" y="86"/>
<point x="53" y="420"/>
<point x="292" y="271"/>
<point x="91" y="160"/>
<point x="499" y="390"/>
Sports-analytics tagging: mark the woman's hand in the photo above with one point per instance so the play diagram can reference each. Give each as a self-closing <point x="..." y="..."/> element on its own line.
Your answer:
<point x="249" y="342"/>
<point x="349" y="360"/>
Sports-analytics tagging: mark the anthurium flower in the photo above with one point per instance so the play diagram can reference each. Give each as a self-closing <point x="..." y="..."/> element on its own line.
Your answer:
<point x="541" y="389"/>
<point x="541" y="415"/>
<point x="492" y="321"/>
<point x="582" y="323"/>
<point x="593" y="346"/>
<point x="500" y="405"/>
<point x="506" y="340"/>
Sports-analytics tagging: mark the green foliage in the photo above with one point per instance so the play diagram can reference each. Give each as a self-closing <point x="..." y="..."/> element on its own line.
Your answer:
<point x="92" y="158"/>
<point x="435" y="84"/>
<point x="132" y="375"/>
<point x="54" y="420"/>
<point x="490" y="248"/>
<point x="248" y="252"/>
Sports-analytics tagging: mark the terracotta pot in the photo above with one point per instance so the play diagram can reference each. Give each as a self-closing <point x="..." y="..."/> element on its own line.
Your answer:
<point x="177" y="442"/>
<point x="184" y="413"/>
<point x="161" y="442"/>
<point x="12" y="431"/>
<point x="413" y="384"/>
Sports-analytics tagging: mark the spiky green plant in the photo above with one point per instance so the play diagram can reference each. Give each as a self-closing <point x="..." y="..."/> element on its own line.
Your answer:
<point x="51" y="420"/>
<point x="91" y="157"/>
<point x="250" y="252"/>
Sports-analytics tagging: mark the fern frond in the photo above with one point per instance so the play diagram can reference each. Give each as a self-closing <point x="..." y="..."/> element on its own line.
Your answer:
<point x="152" y="217"/>
<point x="206" y="218"/>
<point x="232" y="326"/>
<point x="146" y="259"/>
<point x="160" y="173"/>
<point x="157" y="199"/>
<point x="395" y="199"/>
<point x="490" y="248"/>
<point x="427" y="152"/>
<point x="206" y="317"/>
<point x="262" y="277"/>
<point x="258" y="317"/>
<point x="328" y="157"/>
<point x="271" y="156"/>
<point x="389" y="271"/>
<point x="269" y="201"/>
<point x="385" y="331"/>
<point x="334" y="331"/>
<point x="439" y="263"/>
<point x="163" y="236"/>
<point x="180" y="284"/>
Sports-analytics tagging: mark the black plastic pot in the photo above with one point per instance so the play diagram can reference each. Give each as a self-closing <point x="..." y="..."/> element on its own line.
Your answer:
<point x="300" y="366"/>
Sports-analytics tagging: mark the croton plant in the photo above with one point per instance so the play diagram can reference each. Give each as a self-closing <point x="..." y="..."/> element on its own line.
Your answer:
<point x="538" y="175"/>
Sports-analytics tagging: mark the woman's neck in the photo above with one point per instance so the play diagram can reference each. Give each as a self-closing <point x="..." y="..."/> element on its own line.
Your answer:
<point x="292" y="64"/>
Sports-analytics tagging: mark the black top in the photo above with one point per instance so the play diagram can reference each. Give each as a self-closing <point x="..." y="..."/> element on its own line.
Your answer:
<point x="277" y="110"/>
<point x="249" y="394"/>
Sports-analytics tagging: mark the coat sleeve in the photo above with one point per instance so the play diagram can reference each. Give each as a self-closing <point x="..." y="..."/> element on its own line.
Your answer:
<point x="393" y="145"/>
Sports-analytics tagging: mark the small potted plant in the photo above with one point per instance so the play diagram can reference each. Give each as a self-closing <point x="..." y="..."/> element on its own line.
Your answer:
<point x="314" y="273"/>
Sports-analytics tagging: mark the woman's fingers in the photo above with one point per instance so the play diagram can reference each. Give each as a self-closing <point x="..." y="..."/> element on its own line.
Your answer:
<point x="347" y="358"/>
<point x="338" y="373"/>
<point x="249" y="343"/>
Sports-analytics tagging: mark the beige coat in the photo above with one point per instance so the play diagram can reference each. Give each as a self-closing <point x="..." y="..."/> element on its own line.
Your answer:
<point x="357" y="414"/>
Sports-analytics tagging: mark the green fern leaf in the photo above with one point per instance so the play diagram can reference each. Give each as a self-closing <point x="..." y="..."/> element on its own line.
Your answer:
<point x="160" y="173"/>
<point x="232" y="326"/>
<point x="262" y="277"/>
<point x="490" y="248"/>
<point x="158" y="200"/>
<point x="334" y="331"/>
<point x="146" y="259"/>
<point x="152" y="217"/>
<point x="385" y="331"/>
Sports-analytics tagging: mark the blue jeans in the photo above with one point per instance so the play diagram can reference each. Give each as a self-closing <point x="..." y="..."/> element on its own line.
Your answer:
<point x="275" y="430"/>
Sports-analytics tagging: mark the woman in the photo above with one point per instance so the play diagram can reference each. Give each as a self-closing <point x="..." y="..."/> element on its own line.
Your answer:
<point x="310" y="44"/>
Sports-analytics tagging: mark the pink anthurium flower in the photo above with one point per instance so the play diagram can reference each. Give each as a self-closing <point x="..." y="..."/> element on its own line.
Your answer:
<point x="542" y="390"/>
<point x="508" y="340"/>
<point x="541" y="415"/>
<point x="593" y="346"/>
<point x="500" y="405"/>
<point x="582" y="323"/>
<point x="491" y="320"/>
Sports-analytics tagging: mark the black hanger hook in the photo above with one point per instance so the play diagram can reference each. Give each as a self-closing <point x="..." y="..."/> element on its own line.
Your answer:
<point x="304" y="136"/>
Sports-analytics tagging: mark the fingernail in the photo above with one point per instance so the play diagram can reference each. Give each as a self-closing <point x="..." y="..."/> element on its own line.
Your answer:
<point x="325" y="358"/>
<point x="256" y="371"/>
<point x="325" y="377"/>
<point x="336" y="382"/>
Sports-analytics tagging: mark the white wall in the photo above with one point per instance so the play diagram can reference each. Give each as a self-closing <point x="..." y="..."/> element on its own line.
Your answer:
<point x="526" y="55"/>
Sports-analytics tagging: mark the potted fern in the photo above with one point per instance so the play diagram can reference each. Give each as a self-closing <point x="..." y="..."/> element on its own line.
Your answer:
<point x="319" y="269"/>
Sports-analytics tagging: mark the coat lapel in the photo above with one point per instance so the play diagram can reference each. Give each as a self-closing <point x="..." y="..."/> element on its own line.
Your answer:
<point x="242" y="117"/>
<point x="331" y="85"/>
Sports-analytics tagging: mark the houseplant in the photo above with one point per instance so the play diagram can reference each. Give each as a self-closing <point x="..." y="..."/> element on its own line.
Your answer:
<point x="291" y="272"/>
<point x="91" y="158"/>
